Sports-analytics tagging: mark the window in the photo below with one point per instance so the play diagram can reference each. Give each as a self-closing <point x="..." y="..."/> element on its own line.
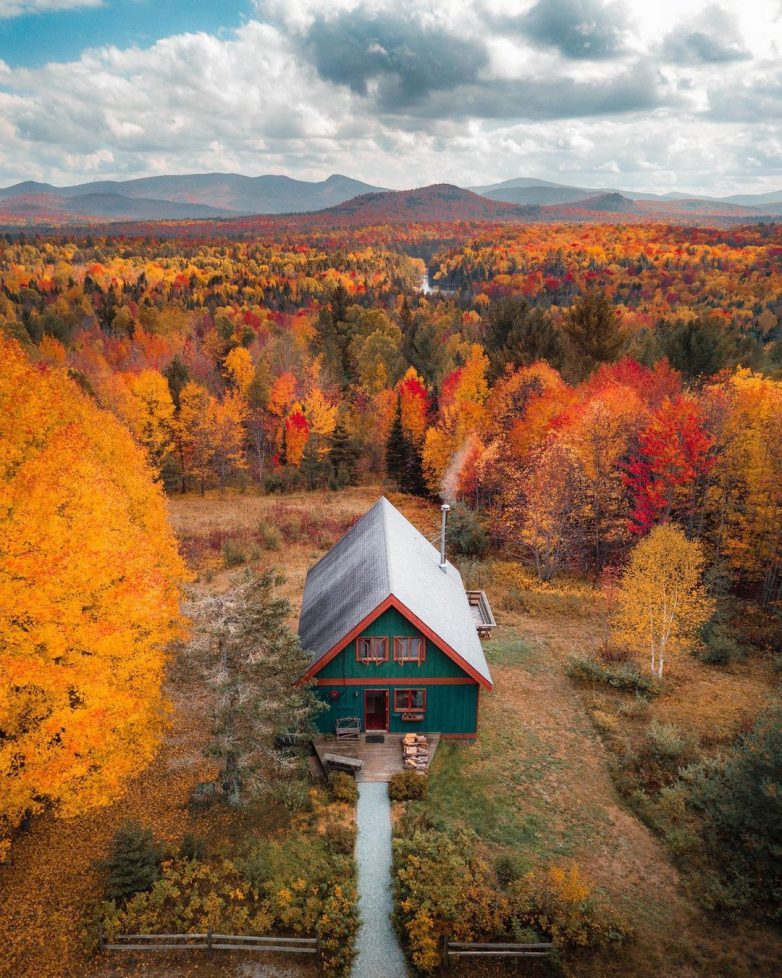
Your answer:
<point x="410" y="700"/>
<point x="372" y="649"/>
<point x="409" y="650"/>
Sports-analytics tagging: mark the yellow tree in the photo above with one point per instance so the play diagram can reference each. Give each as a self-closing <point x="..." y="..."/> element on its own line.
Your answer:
<point x="150" y="414"/>
<point x="661" y="600"/>
<point x="240" y="368"/>
<point x="321" y="418"/>
<point x="226" y="435"/>
<point x="194" y="433"/>
<point x="88" y="598"/>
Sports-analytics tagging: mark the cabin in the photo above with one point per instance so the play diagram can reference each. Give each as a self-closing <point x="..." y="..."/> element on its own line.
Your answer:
<point x="393" y="635"/>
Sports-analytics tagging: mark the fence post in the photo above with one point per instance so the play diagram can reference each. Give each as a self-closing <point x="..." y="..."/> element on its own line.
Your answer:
<point x="317" y="954"/>
<point x="446" y="961"/>
<point x="101" y="942"/>
<point x="209" y="940"/>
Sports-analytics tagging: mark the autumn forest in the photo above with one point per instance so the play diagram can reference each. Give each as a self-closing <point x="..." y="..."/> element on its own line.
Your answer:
<point x="601" y="405"/>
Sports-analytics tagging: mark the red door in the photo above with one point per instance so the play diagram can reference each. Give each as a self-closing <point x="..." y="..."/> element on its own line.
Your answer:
<point x="376" y="709"/>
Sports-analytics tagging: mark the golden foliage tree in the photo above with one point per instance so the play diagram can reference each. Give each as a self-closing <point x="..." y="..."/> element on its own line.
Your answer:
<point x="661" y="601"/>
<point x="88" y="598"/>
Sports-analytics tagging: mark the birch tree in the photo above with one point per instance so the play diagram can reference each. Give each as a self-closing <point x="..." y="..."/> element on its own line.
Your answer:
<point x="661" y="602"/>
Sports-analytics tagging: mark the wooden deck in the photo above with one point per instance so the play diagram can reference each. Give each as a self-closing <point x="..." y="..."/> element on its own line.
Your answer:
<point x="381" y="761"/>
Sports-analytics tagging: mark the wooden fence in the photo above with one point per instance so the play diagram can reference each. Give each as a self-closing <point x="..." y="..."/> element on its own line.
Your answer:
<point x="460" y="949"/>
<point x="208" y="942"/>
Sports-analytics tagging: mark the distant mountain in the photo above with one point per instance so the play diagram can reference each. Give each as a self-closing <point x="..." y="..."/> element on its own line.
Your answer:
<point x="239" y="204"/>
<point x="225" y="194"/>
<point x="438" y="202"/>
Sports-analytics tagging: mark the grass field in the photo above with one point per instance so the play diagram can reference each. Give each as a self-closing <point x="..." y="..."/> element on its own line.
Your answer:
<point x="537" y="781"/>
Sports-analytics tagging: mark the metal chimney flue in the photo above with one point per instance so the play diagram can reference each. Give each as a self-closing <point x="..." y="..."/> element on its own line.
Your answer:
<point x="444" y="509"/>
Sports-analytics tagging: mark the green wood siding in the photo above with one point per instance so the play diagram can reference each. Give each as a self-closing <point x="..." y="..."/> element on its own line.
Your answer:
<point x="391" y="623"/>
<point x="450" y="707"/>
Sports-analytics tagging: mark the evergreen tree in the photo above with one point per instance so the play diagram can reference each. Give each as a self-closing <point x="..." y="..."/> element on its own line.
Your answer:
<point x="414" y="481"/>
<point x="396" y="448"/>
<point x="592" y="328"/>
<point x="177" y="374"/>
<point x="252" y="660"/>
<point x="342" y="457"/>
<point x="282" y="455"/>
<point x="133" y="863"/>
<point x="312" y="466"/>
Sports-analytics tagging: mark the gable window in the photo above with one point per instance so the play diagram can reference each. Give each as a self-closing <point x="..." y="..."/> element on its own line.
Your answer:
<point x="410" y="700"/>
<point x="409" y="649"/>
<point x="372" y="649"/>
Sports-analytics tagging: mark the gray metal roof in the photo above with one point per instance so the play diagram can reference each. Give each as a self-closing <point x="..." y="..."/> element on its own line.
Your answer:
<point x="383" y="554"/>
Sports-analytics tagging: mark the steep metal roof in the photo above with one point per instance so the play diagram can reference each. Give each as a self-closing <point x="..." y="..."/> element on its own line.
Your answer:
<point x="383" y="555"/>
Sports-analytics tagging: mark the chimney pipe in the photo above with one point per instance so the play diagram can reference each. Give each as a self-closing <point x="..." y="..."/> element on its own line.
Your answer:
<point x="445" y="509"/>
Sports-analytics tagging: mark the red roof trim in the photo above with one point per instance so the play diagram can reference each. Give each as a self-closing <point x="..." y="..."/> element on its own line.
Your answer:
<point x="393" y="602"/>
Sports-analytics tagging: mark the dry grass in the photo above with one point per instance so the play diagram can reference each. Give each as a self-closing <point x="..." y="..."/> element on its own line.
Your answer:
<point x="537" y="780"/>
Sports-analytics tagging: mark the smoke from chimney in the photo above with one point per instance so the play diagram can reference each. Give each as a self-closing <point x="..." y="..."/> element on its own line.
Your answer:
<point x="444" y="509"/>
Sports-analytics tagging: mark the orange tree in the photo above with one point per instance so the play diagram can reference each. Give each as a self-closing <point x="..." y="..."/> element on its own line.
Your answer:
<point x="88" y="598"/>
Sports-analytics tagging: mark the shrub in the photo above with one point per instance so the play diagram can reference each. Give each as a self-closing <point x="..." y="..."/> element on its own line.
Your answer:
<point x="741" y="804"/>
<point x="293" y="795"/>
<point x="465" y="535"/>
<point x="233" y="554"/>
<point x="667" y="745"/>
<point x="509" y="867"/>
<point x="719" y="646"/>
<point x="133" y="863"/>
<point x="340" y="838"/>
<point x="441" y="888"/>
<point x="192" y="847"/>
<point x="407" y="786"/>
<point x="563" y="905"/>
<point x="192" y="897"/>
<point x="203" y="795"/>
<point x="625" y="677"/>
<point x="337" y="929"/>
<point x="343" y="787"/>
<point x="269" y="537"/>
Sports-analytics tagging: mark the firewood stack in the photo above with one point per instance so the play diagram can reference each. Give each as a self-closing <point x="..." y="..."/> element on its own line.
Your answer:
<point x="415" y="753"/>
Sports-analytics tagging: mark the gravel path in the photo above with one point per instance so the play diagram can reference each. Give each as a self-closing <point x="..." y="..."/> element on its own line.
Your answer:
<point x="379" y="954"/>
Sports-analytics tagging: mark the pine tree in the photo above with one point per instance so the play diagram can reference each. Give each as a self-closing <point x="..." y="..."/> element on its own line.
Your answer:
<point x="397" y="448"/>
<point x="252" y="661"/>
<point x="133" y="864"/>
<point x="342" y="457"/>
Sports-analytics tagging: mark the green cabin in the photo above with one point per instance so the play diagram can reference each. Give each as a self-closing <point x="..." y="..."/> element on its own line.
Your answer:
<point x="394" y="637"/>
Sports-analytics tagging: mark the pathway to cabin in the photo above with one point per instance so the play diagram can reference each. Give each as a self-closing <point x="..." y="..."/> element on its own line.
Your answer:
<point x="379" y="954"/>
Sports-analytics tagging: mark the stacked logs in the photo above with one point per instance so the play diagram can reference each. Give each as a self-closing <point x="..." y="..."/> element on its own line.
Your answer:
<point x="415" y="753"/>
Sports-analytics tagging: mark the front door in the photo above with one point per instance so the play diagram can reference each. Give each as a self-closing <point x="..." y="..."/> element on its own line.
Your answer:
<point x="376" y="709"/>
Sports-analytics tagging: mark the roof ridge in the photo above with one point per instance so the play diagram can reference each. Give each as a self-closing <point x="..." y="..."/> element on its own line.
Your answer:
<point x="384" y="511"/>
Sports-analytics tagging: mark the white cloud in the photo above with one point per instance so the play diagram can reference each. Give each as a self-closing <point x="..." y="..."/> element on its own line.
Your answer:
<point x="255" y="101"/>
<point x="18" y="8"/>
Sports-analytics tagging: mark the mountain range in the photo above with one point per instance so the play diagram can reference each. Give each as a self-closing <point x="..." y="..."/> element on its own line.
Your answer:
<point x="345" y="201"/>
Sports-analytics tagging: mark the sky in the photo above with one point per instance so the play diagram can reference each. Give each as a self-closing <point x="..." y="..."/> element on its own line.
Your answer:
<point x="645" y="95"/>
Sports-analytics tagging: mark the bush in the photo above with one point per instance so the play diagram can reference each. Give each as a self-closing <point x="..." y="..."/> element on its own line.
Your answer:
<point x="337" y="929"/>
<point x="407" y="786"/>
<point x="293" y="795"/>
<point x="192" y="897"/>
<point x="741" y="804"/>
<point x="560" y="903"/>
<point x="509" y="867"/>
<point x="269" y="537"/>
<point x="233" y="554"/>
<point x="343" y="787"/>
<point x="719" y="646"/>
<point x="465" y="535"/>
<point x="442" y="887"/>
<point x="667" y="745"/>
<point x="133" y="863"/>
<point x="340" y="838"/>
<point x="625" y="677"/>
<point x="192" y="847"/>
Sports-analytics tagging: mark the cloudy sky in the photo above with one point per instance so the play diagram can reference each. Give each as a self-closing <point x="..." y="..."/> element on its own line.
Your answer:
<point x="641" y="94"/>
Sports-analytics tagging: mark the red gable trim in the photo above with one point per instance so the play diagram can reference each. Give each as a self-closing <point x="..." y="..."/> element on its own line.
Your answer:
<point x="393" y="602"/>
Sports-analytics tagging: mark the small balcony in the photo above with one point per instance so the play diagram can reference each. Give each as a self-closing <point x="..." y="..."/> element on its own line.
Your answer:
<point x="481" y="612"/>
